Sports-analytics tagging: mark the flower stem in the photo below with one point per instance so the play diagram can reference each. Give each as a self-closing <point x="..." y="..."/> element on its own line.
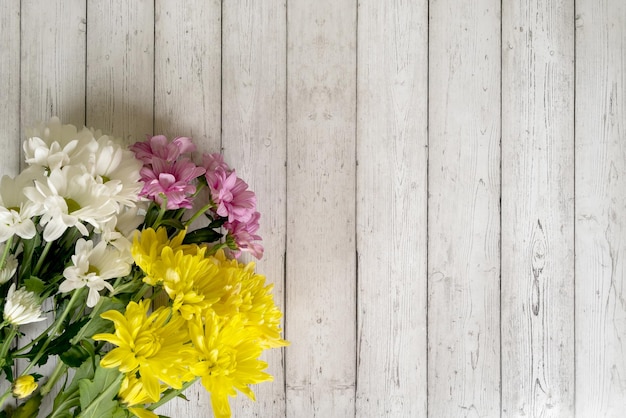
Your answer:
<point x="4" y="396"/>
<point x="59" y="370"/>
<point x="46" y="249"/>
<point x="7" y="248"/>
<point x="4" y="349"/>
<point x="162" y="210"/>
<point x="171" y="395"/>
<point x="198" y="214"/>
<point x="57" y="327"/>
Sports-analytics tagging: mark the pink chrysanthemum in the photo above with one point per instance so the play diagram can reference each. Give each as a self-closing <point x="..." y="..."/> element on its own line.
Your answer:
<point x="244" y="236"/>
<point x="173" y="181"/>
<point x="214" y="161"/>
<point x="231" y="196"/>
<point x="159" y="147"/>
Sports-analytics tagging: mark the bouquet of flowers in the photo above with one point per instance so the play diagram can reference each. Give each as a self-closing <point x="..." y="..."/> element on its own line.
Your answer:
<point x="97" y="240"/>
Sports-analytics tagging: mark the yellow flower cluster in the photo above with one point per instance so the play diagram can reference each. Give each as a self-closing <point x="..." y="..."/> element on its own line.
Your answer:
<point x="221" y="316"/>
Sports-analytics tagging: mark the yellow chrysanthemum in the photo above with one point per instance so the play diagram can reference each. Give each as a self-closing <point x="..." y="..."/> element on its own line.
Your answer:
<point x="133" y="394"/>
<point x="147" y="247"/>
<point x="254" y="301"/>
<point x="229" y="359"/>
<point x="24" y="386"/>
<point x="154" y="345"/>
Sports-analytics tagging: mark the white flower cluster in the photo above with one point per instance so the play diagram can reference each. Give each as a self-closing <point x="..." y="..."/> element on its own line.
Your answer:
<point x="75" y="179"/>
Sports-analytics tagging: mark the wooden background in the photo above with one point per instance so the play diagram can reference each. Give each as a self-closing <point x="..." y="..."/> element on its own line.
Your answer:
<point x="442" y="183"/>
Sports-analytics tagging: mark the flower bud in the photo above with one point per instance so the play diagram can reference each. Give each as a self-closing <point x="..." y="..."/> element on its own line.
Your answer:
<point x="24" y="386"/>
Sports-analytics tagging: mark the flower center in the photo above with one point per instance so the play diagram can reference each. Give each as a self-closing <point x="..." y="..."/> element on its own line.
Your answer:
<point x="72" y="205"/>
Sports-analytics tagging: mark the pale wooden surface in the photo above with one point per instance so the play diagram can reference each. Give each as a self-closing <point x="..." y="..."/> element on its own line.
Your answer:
<point x="463" y="209"/>
<point x="600" y="208"/>
<point x="391" y="183"/>
<point x="537" y="275"/>
<point x="442" y="184"/>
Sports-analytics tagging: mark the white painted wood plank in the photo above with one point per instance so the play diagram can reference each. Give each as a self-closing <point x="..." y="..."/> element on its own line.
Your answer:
<point x="10" y="82"/>
<point x="9" y="101"/>
<point x="463" y="209"/>
<point x="537" y="209"/>
<point x="187" y="102"/>
<point x="52" y="84"/>
<point x="392" y="208"/>
<point x="120" y="67"/>
<point x="188" y="71"/>
<point x="321" y="270"/>
<point x="53" y="61"/>
<point x="254" y="142"/>
<point x="600" y="208"/>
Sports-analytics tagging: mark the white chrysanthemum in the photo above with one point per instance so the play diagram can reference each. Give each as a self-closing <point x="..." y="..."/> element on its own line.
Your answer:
<point x="119" y="231"/>
<point x="53" y="145"/>
<point x="22" y="307"/>
<point x="117" y="168"/>
<point x="92" y="267"/>
<point x="16" y="210"/>
<point x="9" y="268"/>
<point x="71" y="197"/>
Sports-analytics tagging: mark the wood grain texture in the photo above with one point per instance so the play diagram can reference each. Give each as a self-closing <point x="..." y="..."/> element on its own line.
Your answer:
<point x="254" y="141"/>
<point x="463" y="209"/>
<point x="600" y="208"/>
<point x="187" y="102"/>
<point x="10" y="82"/>
<point x="187" y="79"/>
<point x="52" y="82"/>
<point x="537" y="209"/>
<point x="53" y="61"/>
<point x="120" y="67"/>
<point x="9" y="99"/>
<point x="321" y="267"/>
<point x="391" y="208"/>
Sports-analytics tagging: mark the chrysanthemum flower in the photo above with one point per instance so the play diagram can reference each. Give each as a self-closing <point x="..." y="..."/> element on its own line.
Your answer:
<point x="116" y="168"/>
<point x="71" y="197"/>
<point x="254" y="301"/>
<point x="24" y="386"/>
<point x="147" y="248"/>
<point x="173" y="181"/>
<point x="53" y="145"/>
<point x="192" y="281"/>
<point x="153" y="345"/>
<point x="159" y="147"/>
<point x="16" y="210"/>
<point x="9" y="268"/>
<point x="22" y="307"/>
<point x="244" y="236"/>
<point x="92" y="267"/>
<point x="229" y="359"/>
<point x="231" y="195"/>
<point x="133" y="395"/>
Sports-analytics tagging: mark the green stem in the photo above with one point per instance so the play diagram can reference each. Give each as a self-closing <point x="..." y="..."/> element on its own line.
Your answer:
<point x="59" y="370"/>
<point x="171" y="395"/>
<point x="162" y="210"/>
<point x="7" y="248"/>
<point x="58" y="323"/>
<point x="4" y="396"/>
<point x="198" y="214"/>
<point x="4" y="349"/>
<point x="46" y="249"/>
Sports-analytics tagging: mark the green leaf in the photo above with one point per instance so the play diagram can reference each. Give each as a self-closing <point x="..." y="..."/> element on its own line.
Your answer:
<point x="69" y="397"/>
<point x="173" y="223"/>
<point x="202" y="235"/>
<point x="96" y="396"/>
<point x="28" y="409"/>
<point x="35" y="285"/>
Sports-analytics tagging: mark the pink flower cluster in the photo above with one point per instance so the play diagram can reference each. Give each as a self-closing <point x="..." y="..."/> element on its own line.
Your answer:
<point x="168" y="172"/>
<point x="236" y="203"/>
<point x="169" y="175"/>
